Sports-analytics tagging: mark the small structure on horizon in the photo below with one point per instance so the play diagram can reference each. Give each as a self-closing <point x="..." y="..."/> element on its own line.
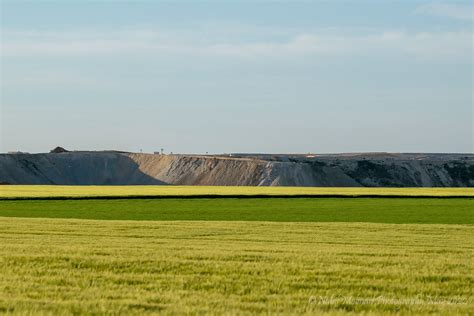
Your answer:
<point x="58" y="150"/>
<point x="17" y="152"/>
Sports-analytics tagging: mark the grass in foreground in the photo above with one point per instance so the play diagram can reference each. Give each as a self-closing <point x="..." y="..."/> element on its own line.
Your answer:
<point x="380" y="210"/>
<point x="109" y="267"/>
<point x="51" y="191"/>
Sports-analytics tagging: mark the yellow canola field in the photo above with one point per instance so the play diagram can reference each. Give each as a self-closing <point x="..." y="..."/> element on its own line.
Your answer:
<point x="51" y="191"/>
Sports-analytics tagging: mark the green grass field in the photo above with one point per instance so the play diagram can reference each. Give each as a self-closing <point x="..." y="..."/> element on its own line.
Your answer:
<point x="380" y="210"/>
<point x="247" y="255"/>
<point x="50" y="191"/>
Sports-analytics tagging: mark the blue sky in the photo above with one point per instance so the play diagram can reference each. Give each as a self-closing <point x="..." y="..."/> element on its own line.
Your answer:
<point x="237" y="76"/>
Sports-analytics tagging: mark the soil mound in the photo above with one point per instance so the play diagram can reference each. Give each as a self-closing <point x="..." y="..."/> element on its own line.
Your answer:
<point x="58" y="150"/>
<point x="343" y="170"/>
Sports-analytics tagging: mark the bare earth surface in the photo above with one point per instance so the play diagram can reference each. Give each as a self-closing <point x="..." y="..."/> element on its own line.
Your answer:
<point x="338" y="170"/>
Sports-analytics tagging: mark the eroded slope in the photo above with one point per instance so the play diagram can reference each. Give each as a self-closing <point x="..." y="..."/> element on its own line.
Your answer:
<point x="118" y="168"/>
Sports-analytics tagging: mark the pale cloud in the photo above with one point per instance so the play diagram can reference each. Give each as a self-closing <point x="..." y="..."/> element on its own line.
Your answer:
<point x="449" y="10"/>
<point x="431" y="45"/>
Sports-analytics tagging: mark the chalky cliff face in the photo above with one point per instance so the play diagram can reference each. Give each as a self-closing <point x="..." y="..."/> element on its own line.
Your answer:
<point x="351" y="170"/>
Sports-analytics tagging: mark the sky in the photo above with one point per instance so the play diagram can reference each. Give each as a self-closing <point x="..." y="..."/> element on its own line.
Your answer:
<point x="237" y="76"/>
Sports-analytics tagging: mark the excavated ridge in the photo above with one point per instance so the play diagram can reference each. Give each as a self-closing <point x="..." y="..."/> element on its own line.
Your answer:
<point x="341" y="170"/>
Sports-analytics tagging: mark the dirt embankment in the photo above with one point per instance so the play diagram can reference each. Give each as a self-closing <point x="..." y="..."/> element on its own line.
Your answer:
<point x="349" y="170"/>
